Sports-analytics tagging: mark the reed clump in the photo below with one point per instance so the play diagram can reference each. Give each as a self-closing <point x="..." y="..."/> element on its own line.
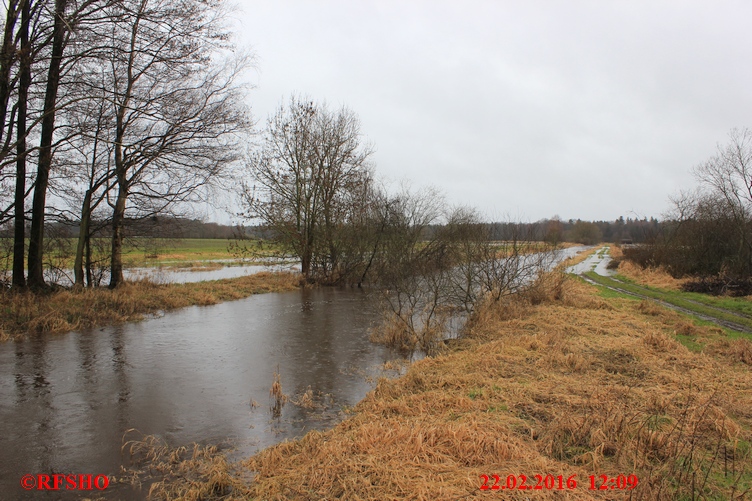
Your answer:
<point x="66" y="310"/>
<point x="279" y="399"/>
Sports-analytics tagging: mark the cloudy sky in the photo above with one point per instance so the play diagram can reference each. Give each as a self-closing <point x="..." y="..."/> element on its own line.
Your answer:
<point x="523" y="109"/>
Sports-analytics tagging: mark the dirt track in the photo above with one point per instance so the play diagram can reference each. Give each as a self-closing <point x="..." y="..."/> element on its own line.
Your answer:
<point x="598" y="263"/>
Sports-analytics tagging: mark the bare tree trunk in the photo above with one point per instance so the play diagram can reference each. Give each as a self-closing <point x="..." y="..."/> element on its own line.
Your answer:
<point x="36" y="236"/>
<point x="118" y="216"/>
<point x="7" y="58"/>
<point x="305" y="265"/>
<point x="83" y="235"/>
<point x="19" y="230"/>
<point x="87" y="243"/>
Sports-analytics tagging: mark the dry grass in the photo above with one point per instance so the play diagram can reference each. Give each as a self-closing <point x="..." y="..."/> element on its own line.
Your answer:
<point x="652" y="277"/>
<point x="411" y="332"/>
<point x="63" y="311"/>
<point x="394" y="332"/>
<point x="575" y="385"/>
<point x="306" y="400"/>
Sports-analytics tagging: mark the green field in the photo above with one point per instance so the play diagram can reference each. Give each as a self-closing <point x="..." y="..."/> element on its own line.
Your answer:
<point x="150" y="252"/>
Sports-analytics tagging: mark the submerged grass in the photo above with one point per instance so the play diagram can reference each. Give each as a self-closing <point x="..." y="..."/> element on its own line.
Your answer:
<point x="146" y="252"/>
<point x="62" y="311"/>
<point x="188" y="473"/>
<point x="577" y="258"/>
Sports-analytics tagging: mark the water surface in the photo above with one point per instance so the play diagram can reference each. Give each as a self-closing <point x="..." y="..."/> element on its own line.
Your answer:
<point x="189" y="376"/>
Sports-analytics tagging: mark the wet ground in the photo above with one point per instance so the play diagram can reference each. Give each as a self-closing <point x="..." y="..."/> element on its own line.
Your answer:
<point x="174" y="274"/>
<point x="597" y="262"/>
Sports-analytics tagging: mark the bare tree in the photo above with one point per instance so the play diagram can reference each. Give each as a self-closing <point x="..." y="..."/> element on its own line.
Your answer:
<point x="19" y="233"/>
<point x="307" y="180"/>
<point x="728" y="176"/>
<point x="178" y="116"/>
<point x="709" y="231"/>
<point x="86" y="176"/>
<point x="432" y="272"/>
<point x="44" y="164"/>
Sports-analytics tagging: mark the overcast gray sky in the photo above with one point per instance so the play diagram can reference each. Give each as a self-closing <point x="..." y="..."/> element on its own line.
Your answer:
<point x="527" y="109"/>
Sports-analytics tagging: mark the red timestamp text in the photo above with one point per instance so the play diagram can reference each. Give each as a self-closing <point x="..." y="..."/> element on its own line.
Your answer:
<point x="523" y="482"/>
<point x="556" y="482"/>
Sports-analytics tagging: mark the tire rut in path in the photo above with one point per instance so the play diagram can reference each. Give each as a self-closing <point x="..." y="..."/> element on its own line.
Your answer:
<point x="718" y="321"/>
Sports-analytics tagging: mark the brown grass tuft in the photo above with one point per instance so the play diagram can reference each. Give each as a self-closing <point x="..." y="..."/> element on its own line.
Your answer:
<point x="394" y="332"/>
<point x="660" y="341"/>
<point x="737" y="350"/>
<point x="278" y="397"/>
<point x="685" y="328"/>
<point x="652" y="277"/>
<point x="551" y="286"/>
<point x="649" y="307"/>
<point x="306" y="401"/>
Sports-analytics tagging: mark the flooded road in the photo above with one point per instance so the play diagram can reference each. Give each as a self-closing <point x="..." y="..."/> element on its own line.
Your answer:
<point x="597" y="262"/>
<point x="189" y="376"/>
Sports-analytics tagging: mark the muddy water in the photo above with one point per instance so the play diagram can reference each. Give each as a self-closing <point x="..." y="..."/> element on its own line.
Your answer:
<point x="189" y="376"/>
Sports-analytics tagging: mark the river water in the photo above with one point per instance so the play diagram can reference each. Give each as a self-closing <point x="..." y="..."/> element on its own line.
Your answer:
<point x="189" y="376"/>
<point x="200" y="374"/>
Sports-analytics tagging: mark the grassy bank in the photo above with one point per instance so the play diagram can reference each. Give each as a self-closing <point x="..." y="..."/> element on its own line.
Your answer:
<point x="574" y="386"/>
<point x="657" y="284"/>
<point x="63" y="311"/>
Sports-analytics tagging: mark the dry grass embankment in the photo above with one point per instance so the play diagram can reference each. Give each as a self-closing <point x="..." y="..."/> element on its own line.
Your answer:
<point x="63" y="311"/>
<point x="561" y="382"/>
<point x="579" y="385"/>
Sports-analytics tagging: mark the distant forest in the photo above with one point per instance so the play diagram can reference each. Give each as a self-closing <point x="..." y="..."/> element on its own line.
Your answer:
<point x="551" y="230"/>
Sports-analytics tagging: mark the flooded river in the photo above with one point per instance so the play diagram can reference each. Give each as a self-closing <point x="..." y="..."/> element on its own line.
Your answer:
<point x="189" y="376"/>
<point x="200" y="374"/>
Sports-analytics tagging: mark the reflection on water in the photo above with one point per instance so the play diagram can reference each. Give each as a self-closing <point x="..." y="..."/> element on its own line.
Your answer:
<point x="66" y="401"/>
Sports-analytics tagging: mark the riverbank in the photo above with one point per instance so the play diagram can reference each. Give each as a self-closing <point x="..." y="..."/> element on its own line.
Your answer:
<point x="577" y="385"/>
<point x="67" y="310"/>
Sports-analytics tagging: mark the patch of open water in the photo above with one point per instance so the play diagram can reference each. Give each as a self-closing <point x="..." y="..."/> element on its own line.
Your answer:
<point x="189" y="376"/>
